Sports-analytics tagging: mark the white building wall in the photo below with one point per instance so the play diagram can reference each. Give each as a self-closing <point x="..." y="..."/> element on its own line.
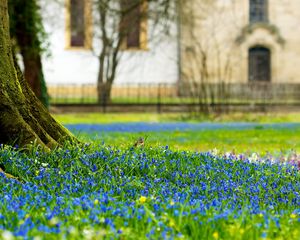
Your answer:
<point x="66" y="66"/>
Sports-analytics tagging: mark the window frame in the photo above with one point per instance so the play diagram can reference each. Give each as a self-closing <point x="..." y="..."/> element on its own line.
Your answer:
<point x="143" y="34"/>
<point x="259" y="11"/>
<point x="88" y="26"/>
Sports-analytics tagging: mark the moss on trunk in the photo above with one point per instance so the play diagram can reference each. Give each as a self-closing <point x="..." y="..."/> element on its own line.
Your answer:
<point x="27" y="31"/>
<point x="23" y="117"/>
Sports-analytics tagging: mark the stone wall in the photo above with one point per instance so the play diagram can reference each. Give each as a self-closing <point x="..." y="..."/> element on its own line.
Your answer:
<point x="216" y="36"/>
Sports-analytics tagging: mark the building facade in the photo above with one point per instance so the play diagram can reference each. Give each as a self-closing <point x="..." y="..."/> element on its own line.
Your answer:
<point x="228" y="41"/>
<point x="75" y="45"/>
<point x="240" y="41"/>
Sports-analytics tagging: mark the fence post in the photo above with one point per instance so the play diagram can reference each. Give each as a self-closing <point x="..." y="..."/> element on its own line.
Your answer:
<point x="103" y="101"/>
<point x="139" y="94"/>
<point x="82" y="93"/>
<point x="159" y="98"/>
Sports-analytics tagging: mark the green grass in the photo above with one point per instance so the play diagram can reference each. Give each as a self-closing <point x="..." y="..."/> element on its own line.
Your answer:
<point x="92" y="118"/>
<point x="257" y="140"/>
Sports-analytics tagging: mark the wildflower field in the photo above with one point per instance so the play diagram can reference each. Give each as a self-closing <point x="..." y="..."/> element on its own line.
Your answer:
<point x="111" y="189"/>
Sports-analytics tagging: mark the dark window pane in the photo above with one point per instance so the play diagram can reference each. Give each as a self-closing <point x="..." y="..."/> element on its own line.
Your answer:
<point x="259" y="64"/>
<point x="258" y="11"/>
<point x="133" y="37"/>
<point x="131" y="22"/>
<point x="77" y="23"/>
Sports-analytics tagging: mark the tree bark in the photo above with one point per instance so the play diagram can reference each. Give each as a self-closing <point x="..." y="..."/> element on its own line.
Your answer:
<point x="104" y="93"/>
<point x="26" y="29"/>
<point x="33" y="70"/>
<point x="23" y="118"/>
<point x="34" y="74"/>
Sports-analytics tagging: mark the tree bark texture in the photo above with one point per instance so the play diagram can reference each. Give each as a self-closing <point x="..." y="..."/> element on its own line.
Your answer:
<point x="23" y="118"/>
<point x="26" y="33"/>
<point x="33" y="73"/>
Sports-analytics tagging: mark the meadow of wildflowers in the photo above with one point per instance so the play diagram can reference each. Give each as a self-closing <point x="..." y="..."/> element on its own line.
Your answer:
<point x="98" y="191"/>
<point x="238" y="137"/>
<point x="173" y="126"/>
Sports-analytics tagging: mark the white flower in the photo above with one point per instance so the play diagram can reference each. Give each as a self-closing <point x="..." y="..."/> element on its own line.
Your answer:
<point x="215" y="152"/>
<point x="7" y="235"/>
<point x="53" y="221"/>
<point x="88" y="233"/>
<point x="227" y="154"/>
<point x="253" y="157"/>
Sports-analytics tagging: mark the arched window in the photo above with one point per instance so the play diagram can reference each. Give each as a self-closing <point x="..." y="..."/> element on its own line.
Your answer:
<point x="259" y="64"/>
<point x="258" y="11"/>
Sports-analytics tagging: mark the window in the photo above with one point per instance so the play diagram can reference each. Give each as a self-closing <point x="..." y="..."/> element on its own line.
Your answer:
<point x="259" y="64"/>
<point x="258" y="11"/>
<point x="133" y="26"/>
<point x="78" y="24"/>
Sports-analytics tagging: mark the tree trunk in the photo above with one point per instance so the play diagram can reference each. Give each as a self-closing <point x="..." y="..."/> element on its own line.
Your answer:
<point x="104" y="93"/>
<point x="33" y="73"/>
<point x="23" y="118"/>
<point x="27" y="29"/>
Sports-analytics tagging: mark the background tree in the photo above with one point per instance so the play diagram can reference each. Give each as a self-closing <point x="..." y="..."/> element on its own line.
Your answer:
<point x="23" y="117"/>
<point x="119" y="25"/>
<point x="207" y="64"/>
<point x="28" y="35"/>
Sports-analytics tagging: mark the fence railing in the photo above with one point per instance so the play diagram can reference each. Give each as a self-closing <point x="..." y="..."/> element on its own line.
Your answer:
<point x="193" y="93"/>
<point x="125" y="93"/>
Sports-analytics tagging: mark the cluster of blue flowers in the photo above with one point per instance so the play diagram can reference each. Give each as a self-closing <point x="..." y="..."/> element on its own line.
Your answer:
<point x="156" y="127"/>
<point x="98" y="191"/>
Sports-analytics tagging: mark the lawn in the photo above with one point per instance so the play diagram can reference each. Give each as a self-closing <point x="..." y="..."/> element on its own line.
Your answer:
<point x="258" y="138"/>
<point x="95" y="118"/>
<point x="243" y="137"/>
<point x="109" y="189"/>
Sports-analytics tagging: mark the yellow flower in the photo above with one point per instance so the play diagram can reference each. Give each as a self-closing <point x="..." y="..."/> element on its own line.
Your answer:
<point x="142" y="199"/>
<point x="96" y="201"/>
<point x="293" y="216"/>
<point x="172" y="203"/>
<point x="216" y="235"/>
<point x="171" y="223"/>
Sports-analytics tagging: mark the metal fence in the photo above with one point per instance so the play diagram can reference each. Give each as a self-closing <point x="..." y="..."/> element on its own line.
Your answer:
<point x="189" y="94"/>
<point x="125" y="93"/>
